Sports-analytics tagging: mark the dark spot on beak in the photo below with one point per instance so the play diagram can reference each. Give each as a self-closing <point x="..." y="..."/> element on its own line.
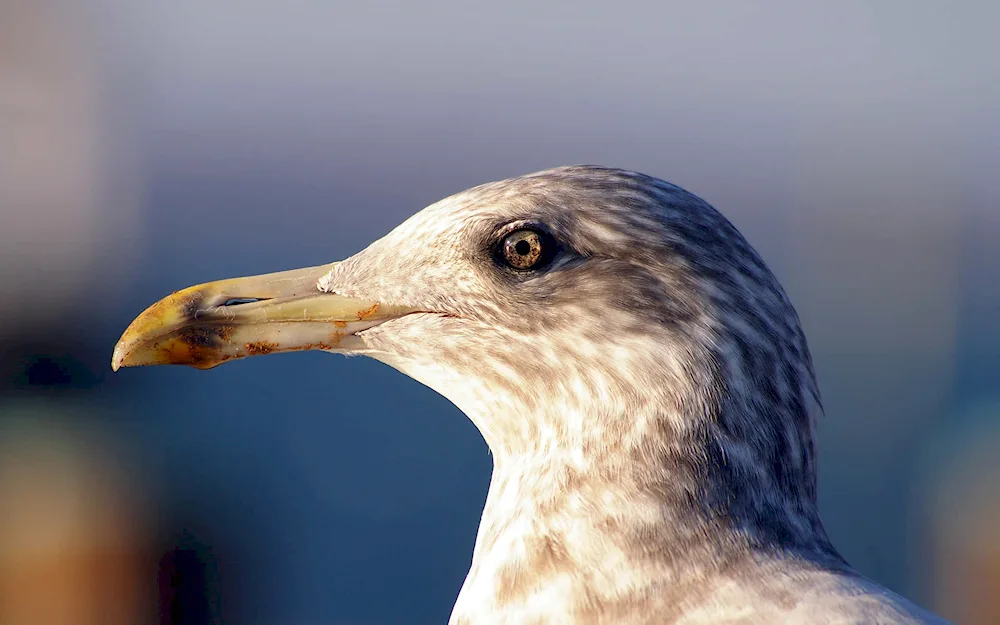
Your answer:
<point x="200" y="337"/>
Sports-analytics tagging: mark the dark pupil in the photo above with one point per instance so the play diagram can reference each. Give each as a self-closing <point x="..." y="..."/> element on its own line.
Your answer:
<point x="522" y="247"/>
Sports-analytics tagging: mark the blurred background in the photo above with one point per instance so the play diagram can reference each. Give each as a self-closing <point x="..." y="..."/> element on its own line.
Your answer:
<point x="146" y="146"/>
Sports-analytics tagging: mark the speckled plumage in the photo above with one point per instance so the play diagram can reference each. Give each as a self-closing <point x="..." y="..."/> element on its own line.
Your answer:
<point x="648" y="397"/>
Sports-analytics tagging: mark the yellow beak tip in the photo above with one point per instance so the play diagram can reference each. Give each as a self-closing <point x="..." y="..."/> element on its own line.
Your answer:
<point x="117" y="358"/>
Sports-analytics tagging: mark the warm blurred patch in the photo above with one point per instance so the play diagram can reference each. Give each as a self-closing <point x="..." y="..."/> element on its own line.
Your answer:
<point x="72" y="549"/>
<point x="965" y="522"/>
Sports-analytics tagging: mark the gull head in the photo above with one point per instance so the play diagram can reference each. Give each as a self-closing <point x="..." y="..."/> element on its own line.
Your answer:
<point x="597" y="319"/>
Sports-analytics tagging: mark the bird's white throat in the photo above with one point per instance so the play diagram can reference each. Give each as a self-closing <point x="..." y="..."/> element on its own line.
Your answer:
<point x="558" y="536"/>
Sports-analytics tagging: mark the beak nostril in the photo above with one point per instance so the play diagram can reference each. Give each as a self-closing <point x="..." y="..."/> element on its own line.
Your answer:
<point x="236" y="301"/>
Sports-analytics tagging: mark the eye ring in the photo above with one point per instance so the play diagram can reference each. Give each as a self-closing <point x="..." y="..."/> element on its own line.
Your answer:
<point x="526" y="249"/>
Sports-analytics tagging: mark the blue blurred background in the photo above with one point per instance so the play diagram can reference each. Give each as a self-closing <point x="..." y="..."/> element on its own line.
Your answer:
<point x="146" y="146"/>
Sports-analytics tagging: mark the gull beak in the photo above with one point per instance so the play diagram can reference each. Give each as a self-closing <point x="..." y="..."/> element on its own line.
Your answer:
<point x="206" y="325"/>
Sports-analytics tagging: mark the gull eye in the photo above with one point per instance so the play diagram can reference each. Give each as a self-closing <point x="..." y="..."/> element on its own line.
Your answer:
<point x="526" y="249"/>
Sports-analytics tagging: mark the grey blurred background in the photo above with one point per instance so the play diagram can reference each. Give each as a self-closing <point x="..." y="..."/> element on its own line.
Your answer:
<point x="146" y="146"/>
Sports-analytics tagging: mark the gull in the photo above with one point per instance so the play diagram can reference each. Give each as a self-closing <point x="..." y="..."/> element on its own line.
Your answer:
<point x="640" y="376"/>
